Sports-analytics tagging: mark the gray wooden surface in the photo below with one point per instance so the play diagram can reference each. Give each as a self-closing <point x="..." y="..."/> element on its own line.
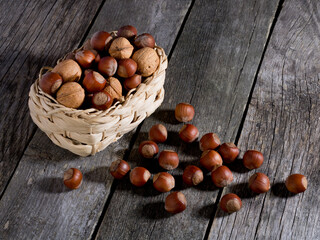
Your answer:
<point x="283" y="122"/>
<point x="219" y="51"/>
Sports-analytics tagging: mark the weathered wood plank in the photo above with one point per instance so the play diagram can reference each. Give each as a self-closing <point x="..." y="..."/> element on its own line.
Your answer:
<point x="282" y="122"/>
<point x="213" y="67"/>
<point x="33" y="34"/>
<point x="35" y="203"/>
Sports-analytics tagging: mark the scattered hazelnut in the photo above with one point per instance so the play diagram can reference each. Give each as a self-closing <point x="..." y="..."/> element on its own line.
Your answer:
<point x="168" y="159"/>
<point x="148" y="149"/>
<point x="184" y="112"/>
<point x="132" y="82"/>
<point x="119" y="169"/>
<point x="72" y="178"/>
<point x="107" y="66"/>
<point x="163" y="182"/>
<point x="128" y="32"/>
<point x="147" y="60"/>
<point x="209" y="141"/>
<point x="259" y="183"/>
<point x="121" y="48"/>
<point x="102" y="100"/>
<point x="192" y="175"/>
<point x="50" y="82"/>
<point x="175" y="202"/>
<point x="100" y="40"/>
<point x="139" y="176"/>
<point x="114" y="88"/>
<point x="252" y="159"/>
<point x="144" y="40"/>
<point x="229" y="152"/>
<point x="158" y="133"/>
<point x="222" y="176"/>
<point x="296" y="183"/>
<point x="210" y="160"/>
<point x="188" y="133"/>
<point x="85" y="58"/>
<point x="94" y="82"/>
<point x="127" y="68"/>
<point x="69" y="70"/>
<point x="71" y="95"/>
<point x="230" y="203"/>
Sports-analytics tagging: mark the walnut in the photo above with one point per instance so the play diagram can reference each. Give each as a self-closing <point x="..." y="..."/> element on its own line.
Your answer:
<point x="121" y="48"/>
<point x="114" y="88"/>
<point x="71" y="95"/>
<point x="69" y="70"/>
<point x="147" y="60"/>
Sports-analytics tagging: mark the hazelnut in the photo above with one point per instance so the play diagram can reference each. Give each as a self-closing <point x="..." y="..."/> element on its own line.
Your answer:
<point x="175" y="202"/>
<point x="72" y="178"/>
<point x="102" y="100"/>
<point x="210" y="160"/>
<point x="71" y="95"/>
<point x="230" y="203"/>
<point x="114" y="88"/>
<point x="259" y="183"/>
<point x="296" y="183"/>
<point x="132" y="82"/>
<point x="222" y="176"/>
<point x="94" y="82"/>
<point x="69" y="70"/>
<point x="120" y="48"/>
<point x="184" y="112"/>
<point x="127" y="68"/>
<point x="50" y="82"/>
<point x="71" y="55"/>
<point x="252" y="159"/>
<point x="144" y="40"/>
<point x="128" y="32"/>
<point x="192" y="175"/>
<point x="107" y="66"/>
<point x="158" y="133"/>
<point x="148" y="149"/>
<point x="87" y="45"/>
<point x="119" y="169"/>
<point x="229" y="152"/>
<point x="85" y="58"/>
<point x="189" y="133"/>
<point x="147" y="60"/>
<point x="209" y="141"/>
<point x="100" y="40"/>
<point x="139" y="176"/>
<point x="163" y="182"/>
<point x="168" y="159"/>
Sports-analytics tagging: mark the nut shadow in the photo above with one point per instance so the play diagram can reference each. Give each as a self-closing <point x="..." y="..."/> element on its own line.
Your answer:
<point x="52" y="185"/>
<point x="98" y="174"/>
<point x="154" y="211"/>
<point x="207" y="184"/>
<point x="279" y="189"/>
<point x="206" y="211"/>
<point x="145" y="191"/>
<point x="243" y="190"/>
<point x="191" y="149"/>
<point x="237" y="166"/>
<point x="166" y="116"/>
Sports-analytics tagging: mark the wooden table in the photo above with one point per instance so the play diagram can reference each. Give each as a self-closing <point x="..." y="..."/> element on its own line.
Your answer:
<point x="251" y="69"/>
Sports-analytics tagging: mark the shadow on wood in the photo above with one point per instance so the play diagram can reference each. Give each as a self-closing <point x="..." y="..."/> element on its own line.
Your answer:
<point x="98" y="174"/>
<point x="52" y="185"/>
<point x="279" y="189"/>
<point x="166" y="116"/>
<point x="237" y="166"/>
<point x="154" y="211"/>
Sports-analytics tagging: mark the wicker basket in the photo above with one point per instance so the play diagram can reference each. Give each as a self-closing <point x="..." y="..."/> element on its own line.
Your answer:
<point x="86" y="132"/>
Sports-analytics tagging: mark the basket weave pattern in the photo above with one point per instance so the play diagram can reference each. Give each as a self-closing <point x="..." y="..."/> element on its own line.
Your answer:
<point x="86" y="132"/>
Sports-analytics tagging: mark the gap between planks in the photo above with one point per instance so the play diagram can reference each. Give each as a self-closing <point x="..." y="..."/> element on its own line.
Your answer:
<point x="215" y="207"/>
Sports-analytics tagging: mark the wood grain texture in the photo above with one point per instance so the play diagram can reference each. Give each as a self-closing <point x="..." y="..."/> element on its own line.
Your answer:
<point x="33" y="34"/>
<point x="36" y="204"/>
<point x="282" y="122"/>
<point x="213" y="67"/>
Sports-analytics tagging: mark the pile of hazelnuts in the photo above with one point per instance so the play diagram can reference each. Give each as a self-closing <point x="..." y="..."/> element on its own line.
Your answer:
<point x="213" y="156"/>
<point x="95" y="75"/>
